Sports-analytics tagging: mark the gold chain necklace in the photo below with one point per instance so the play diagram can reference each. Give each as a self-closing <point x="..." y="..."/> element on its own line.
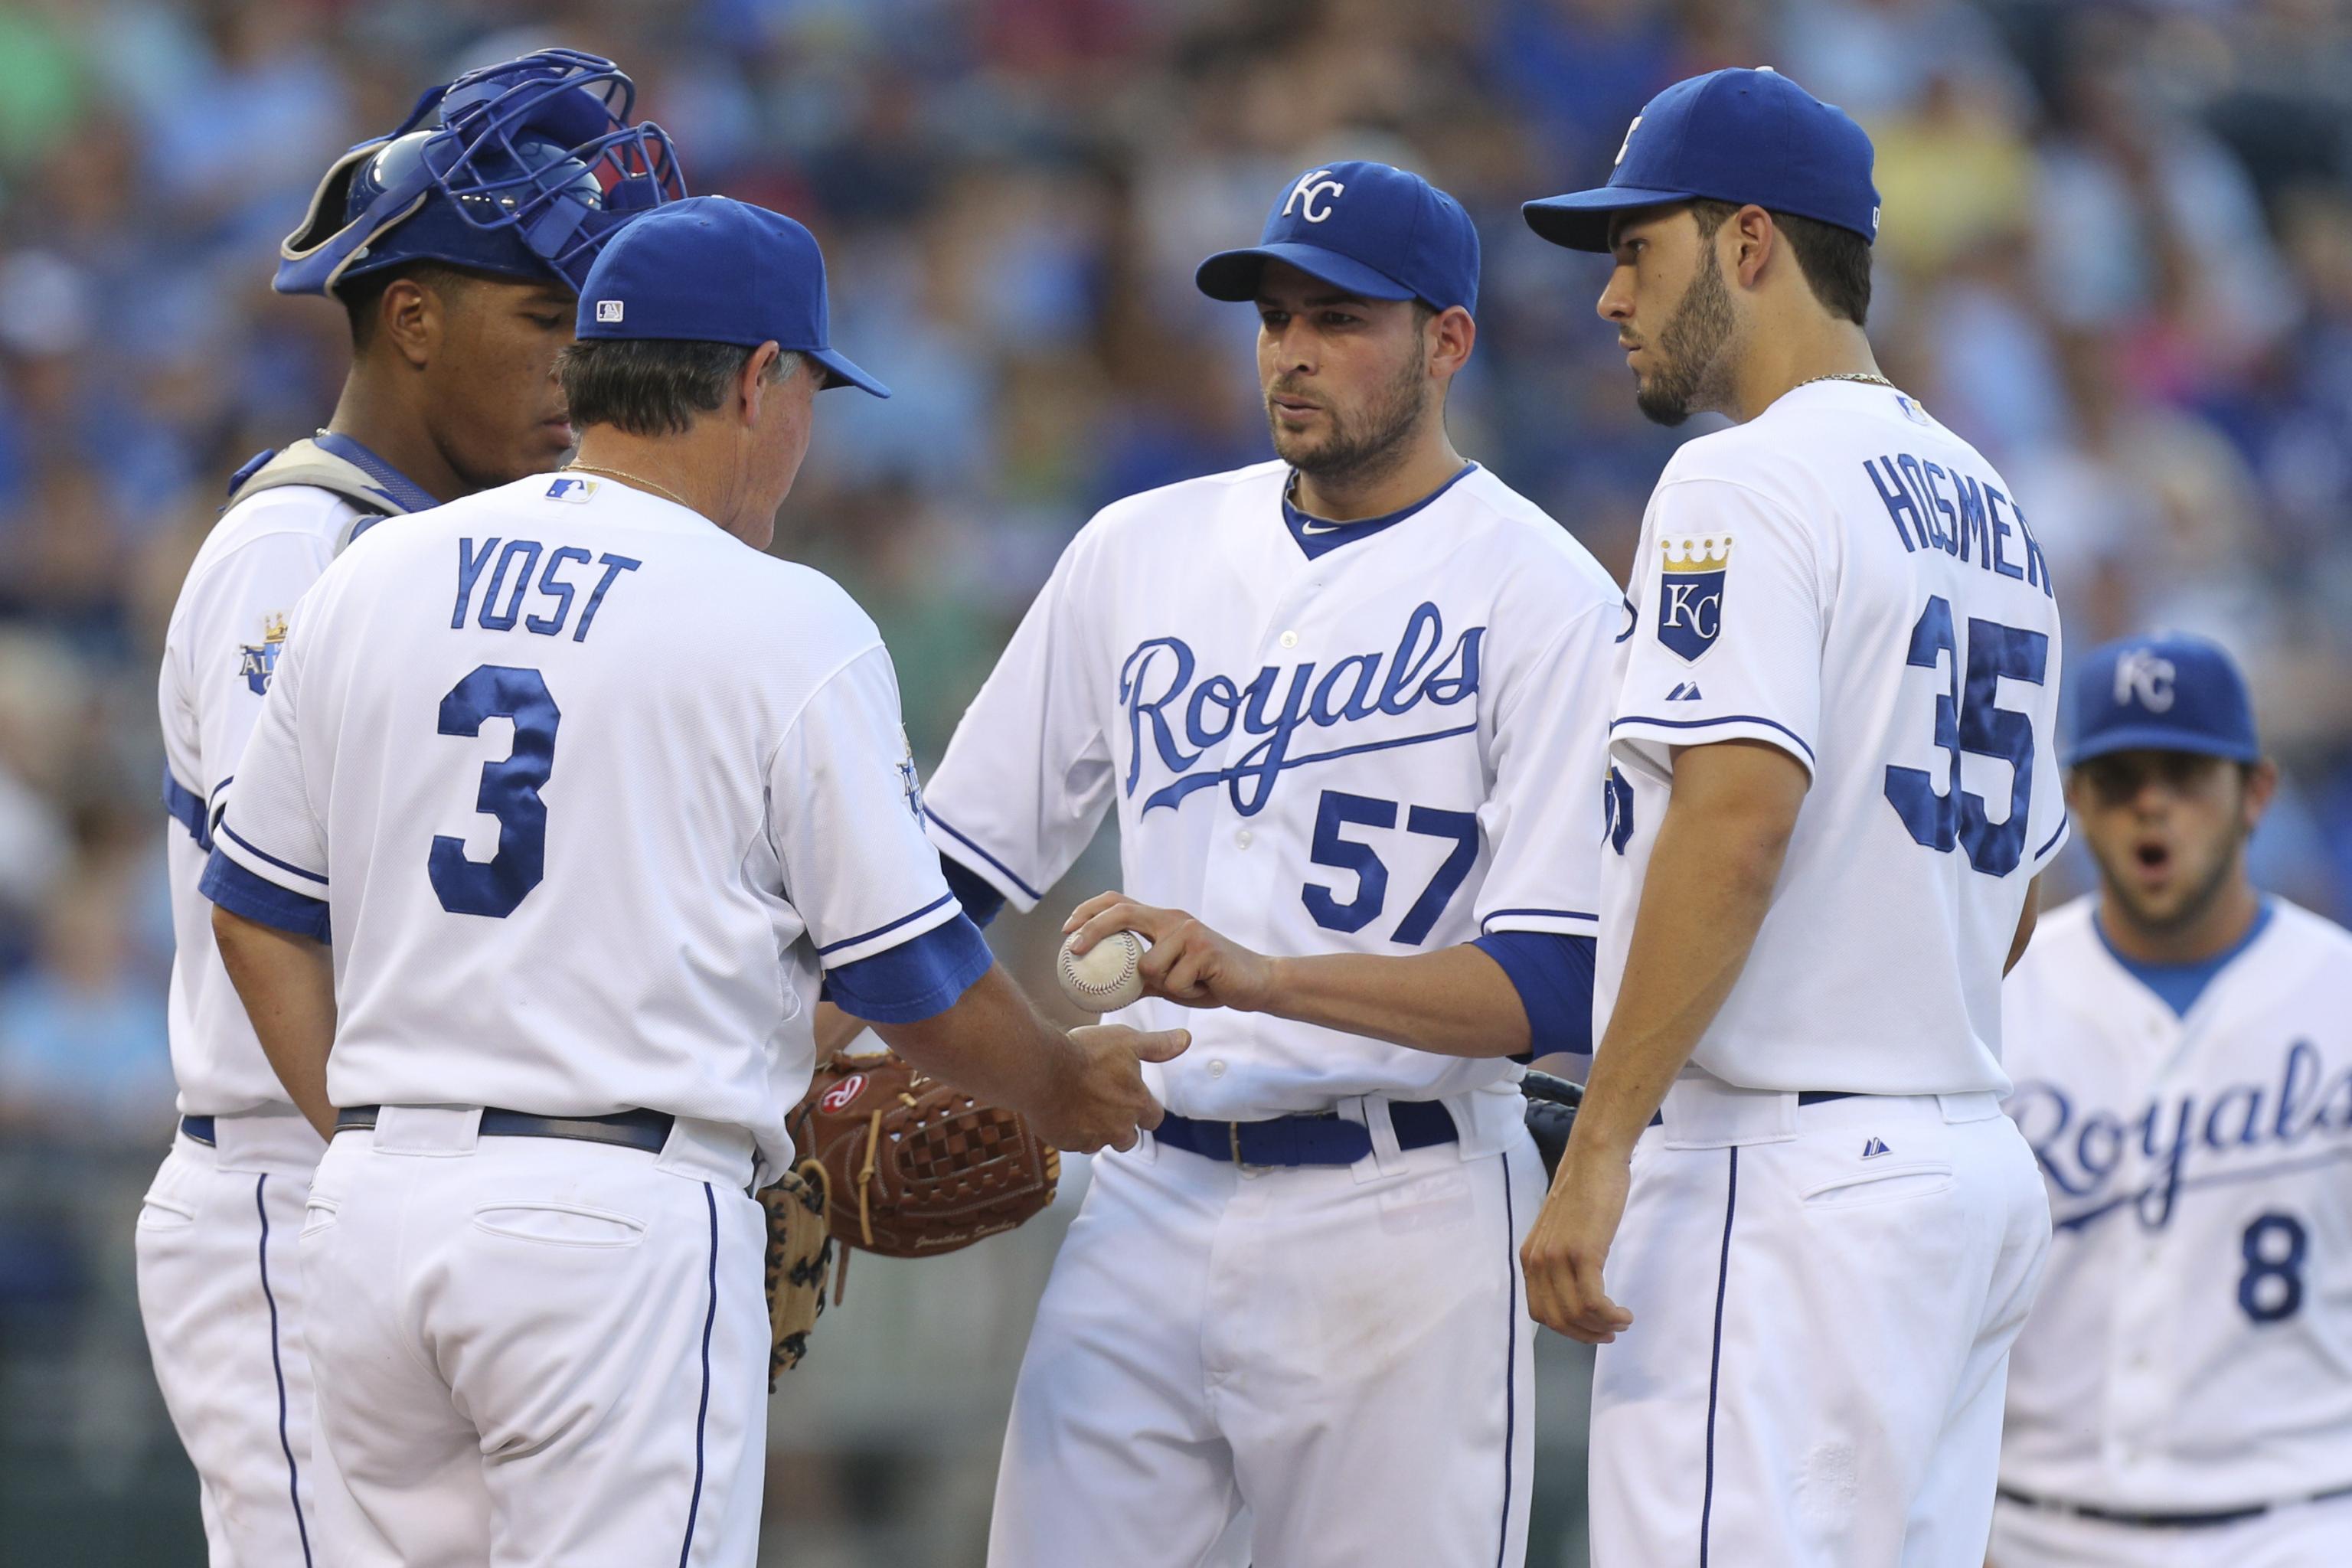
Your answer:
<point x="635" y="480"/>
<point x="1864" y="376"/>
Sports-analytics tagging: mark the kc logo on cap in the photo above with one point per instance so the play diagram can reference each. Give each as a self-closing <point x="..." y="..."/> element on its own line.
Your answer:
<point x="1309" y="187"/>
<point x="2144" y="677"/>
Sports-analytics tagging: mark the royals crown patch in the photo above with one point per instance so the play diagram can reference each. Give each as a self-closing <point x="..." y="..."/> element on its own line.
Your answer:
<point x="1690" y="593"/>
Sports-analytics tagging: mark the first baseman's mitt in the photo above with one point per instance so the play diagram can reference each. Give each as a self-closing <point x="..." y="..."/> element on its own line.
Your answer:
<point x="914" y="1168"/>
<point x="800" y="1250"/>
<point x="1551" y="1112"/>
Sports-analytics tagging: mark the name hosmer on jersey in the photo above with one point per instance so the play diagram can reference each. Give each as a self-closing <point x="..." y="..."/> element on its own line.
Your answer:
<point x="2238" y="1132"/>
<point x="501" y="604"/>
<point x="1968" y="523"/>
<point x="1155" y="687"/>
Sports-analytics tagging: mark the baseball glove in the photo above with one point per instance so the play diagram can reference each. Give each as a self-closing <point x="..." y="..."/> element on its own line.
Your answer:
<point x="913" y="1168"/>
<point x="1551" y="1112"/>
<point x="800" y="1250"/>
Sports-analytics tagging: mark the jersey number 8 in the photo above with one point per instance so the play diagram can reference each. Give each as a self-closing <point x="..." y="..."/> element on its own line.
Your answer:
<point x="1971" y="719"/>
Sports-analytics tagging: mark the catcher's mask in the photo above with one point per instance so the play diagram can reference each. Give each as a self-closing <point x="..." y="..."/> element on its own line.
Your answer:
<point x="523" y="169"/>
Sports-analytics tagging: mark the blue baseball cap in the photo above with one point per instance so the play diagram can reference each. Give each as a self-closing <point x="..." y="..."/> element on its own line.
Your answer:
<point x="2170" y="692"/>
<point x="1737" y="136"/>
<point x="712" y="270"/>
<point x="1375" y="231"/>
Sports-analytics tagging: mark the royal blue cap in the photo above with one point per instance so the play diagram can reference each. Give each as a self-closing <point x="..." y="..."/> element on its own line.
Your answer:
<point x="712" y="270"/>
<point x="1375" y="231"/>
<point x="1735" y="136"/>
<point x="2170" y="692"/>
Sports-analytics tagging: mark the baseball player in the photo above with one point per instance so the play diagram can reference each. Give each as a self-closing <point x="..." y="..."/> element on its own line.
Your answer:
<point x="2182" y="1047"/>
<point x="1832" y="763"/>
<point x="454" y="244"/>
<point x="1337" y="703"/>
<point x="591" y="794"/>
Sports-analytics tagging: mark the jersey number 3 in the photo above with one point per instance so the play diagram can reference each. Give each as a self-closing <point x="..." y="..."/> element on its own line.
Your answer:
<point x="510" y="792"/>
<point x="1971" y="719"/>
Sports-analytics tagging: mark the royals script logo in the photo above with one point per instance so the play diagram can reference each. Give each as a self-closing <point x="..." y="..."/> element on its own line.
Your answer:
<point x="2099" y="1160"/>
<point x="1176" y="720"/>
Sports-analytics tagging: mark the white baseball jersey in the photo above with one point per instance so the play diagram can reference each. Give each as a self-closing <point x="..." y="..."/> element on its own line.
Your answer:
<point x="1843" y="578"/>
<point x="1379" y="736"/>
<point x="2191" y="1347"/>
<point x="219" y="648"/>
<point x="591" y="793"/>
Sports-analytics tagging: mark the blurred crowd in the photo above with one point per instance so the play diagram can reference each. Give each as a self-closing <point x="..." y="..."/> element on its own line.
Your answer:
<point x="2117" y="256"/>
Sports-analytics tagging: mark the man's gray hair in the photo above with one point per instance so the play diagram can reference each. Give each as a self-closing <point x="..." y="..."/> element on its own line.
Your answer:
<point x="654" y="386"/>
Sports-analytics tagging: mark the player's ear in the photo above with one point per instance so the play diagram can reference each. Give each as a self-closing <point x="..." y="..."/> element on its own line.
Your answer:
<point x="2261" y="789"/>
<point x="755" y="379"/>
<point x="1451" y="337"/>
<point x="411" y="318"/>
<point x="1756" y="240"/>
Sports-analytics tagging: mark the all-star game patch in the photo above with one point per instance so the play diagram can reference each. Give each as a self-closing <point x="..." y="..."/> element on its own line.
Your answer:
<point x="1690" y="593"/>
<point x="257" y="661"/>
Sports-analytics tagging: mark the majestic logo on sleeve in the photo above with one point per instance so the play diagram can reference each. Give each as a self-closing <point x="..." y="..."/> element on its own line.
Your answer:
<point x="1319" y="184"/>
<point x="257" y="661"/>
<point x="1177" y="721"/>
<point x="2097" y="1161"/>
<point x="1690" y="593"/>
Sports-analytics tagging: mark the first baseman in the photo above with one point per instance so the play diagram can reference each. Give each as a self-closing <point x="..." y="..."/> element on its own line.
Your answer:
<point x="456" y="325"/>
<point x="2182" y="1047"/>
<point x="591" y="795"/>
<point x="1833" y="775"/>
<point x="1345" y="705"/>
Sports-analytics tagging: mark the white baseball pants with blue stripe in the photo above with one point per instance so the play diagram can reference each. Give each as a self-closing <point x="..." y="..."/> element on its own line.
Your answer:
<point x="1823" y="1302"/>
<point x="1319" y="1367"/>
<point x="221" y="1292"/>
<point x="533" y="1351"/>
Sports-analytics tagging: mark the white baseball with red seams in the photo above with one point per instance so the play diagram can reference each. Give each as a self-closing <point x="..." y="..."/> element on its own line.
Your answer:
<point x="1106" y="976"/>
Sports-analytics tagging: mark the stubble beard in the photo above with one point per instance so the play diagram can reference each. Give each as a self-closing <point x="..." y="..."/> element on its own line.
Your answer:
<point x="1364" y="446"/>
<point x="1694" y="372"/>
<point x="2193" y="907"/>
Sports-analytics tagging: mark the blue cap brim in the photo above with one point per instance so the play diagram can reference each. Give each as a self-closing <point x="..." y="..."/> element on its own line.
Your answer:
<point x="841" y="371"/>
<point x="1579" y="220"/>
<point x="1233" y="274"/>
<point x="2159" y="738"/>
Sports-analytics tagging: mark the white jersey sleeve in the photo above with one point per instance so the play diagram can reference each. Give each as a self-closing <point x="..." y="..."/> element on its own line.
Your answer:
<point x="1031" y="760"/>
<point x="1764" y="681"/>
<point x="273" y="823"/>
<point x="846" y="816"/>
<point x="221" y="651"/>
<point x="1544" y="817"/>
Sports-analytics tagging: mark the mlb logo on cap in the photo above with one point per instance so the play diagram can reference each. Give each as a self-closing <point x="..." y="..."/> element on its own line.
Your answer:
<point x="608" y="310"/>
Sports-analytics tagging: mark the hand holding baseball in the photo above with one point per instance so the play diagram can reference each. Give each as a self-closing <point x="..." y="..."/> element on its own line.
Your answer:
<point x="1186" y="962"/>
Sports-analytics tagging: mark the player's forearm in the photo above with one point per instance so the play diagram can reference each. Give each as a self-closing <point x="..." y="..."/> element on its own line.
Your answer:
<point x="1719" y="854"/>
<point x="1456" y="1002"/>
<point x="287" y="985"/>
<point x="993" y="1043"/>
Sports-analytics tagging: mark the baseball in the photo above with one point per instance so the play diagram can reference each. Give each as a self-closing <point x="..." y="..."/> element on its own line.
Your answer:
<point x="1106" y="976"/>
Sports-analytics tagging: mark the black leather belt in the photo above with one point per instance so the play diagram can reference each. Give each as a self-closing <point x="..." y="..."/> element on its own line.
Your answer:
<point x="1326" y="1139"/>
<point x="199" y="1128"/>
<point x="2163" y="1521"/>
<point x="644" y="1131"/>
<point x="1804" y="1097"/>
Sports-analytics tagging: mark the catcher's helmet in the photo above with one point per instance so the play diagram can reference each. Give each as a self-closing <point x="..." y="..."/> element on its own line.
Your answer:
<point x="523" y="169"/>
